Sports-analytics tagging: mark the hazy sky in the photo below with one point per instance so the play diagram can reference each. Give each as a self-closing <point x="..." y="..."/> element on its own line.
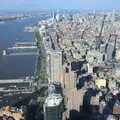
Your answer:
<point x="68" y="4"/>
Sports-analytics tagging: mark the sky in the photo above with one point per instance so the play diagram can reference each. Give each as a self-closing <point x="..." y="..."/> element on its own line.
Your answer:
<point x="53" y="4"/>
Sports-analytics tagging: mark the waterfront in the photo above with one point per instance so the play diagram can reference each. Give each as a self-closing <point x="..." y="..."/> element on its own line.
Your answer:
<point x="17" y="66"/>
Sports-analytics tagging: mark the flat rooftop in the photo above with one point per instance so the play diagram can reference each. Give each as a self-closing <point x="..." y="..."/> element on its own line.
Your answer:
<point x="53" y="100"/>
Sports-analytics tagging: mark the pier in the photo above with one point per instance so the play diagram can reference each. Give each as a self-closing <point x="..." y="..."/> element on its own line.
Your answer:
<point x="25" y="53"/>
<point x="23" y="47"/>
<point x="13" y="81"/>
<point x="25" y="43"/>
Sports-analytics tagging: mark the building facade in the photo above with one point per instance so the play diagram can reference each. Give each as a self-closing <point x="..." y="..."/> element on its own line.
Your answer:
<point x="53" y="107"/>
<point x="54" y="66"/>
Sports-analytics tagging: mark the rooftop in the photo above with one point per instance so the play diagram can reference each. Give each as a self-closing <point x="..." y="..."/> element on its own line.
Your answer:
<point x="53" y="100"/>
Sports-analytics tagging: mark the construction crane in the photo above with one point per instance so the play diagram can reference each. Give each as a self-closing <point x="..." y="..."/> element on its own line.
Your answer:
<point x="52" y="42"/>
<point x="115" y="40"/>
<point x="57" y="39"/>
<point x="113" y="35"/>
<point x="102" y="26"/>
<point x="60" y="45"/>
<point x="114" y="52"/>
<point x="99" y="37"/>
<point x="83" y="32"/>
<point x="109" y="40"/>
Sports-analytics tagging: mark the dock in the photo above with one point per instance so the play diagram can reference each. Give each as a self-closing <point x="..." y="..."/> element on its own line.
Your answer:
<point x="23" y="47"/>
<point x="25" y="53"/>
<point x="13" y="81"/>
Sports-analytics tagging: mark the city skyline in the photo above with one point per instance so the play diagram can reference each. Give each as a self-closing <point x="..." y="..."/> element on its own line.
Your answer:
<point x="56" y="4"/>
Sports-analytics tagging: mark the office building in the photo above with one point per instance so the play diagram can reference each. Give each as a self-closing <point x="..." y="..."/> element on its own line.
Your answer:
<point x="53" y="107"/>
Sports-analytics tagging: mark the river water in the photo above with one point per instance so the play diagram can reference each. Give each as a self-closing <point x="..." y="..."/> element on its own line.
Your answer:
<point x="16" y="66"/>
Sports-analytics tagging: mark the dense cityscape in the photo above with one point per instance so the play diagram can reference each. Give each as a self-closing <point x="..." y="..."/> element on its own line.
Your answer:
<point x="60" y="65"/>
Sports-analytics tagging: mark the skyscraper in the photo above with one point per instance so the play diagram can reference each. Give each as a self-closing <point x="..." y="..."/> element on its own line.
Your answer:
<point x="53" y="107"/>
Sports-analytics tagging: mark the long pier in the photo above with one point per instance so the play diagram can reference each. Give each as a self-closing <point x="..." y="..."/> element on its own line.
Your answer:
<point x="25" y="43"/>
<point x="33" y="43"/>
<point x="14" y="81"/>
<point x="24" y="53"/>
<point x="23" y="47"/>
